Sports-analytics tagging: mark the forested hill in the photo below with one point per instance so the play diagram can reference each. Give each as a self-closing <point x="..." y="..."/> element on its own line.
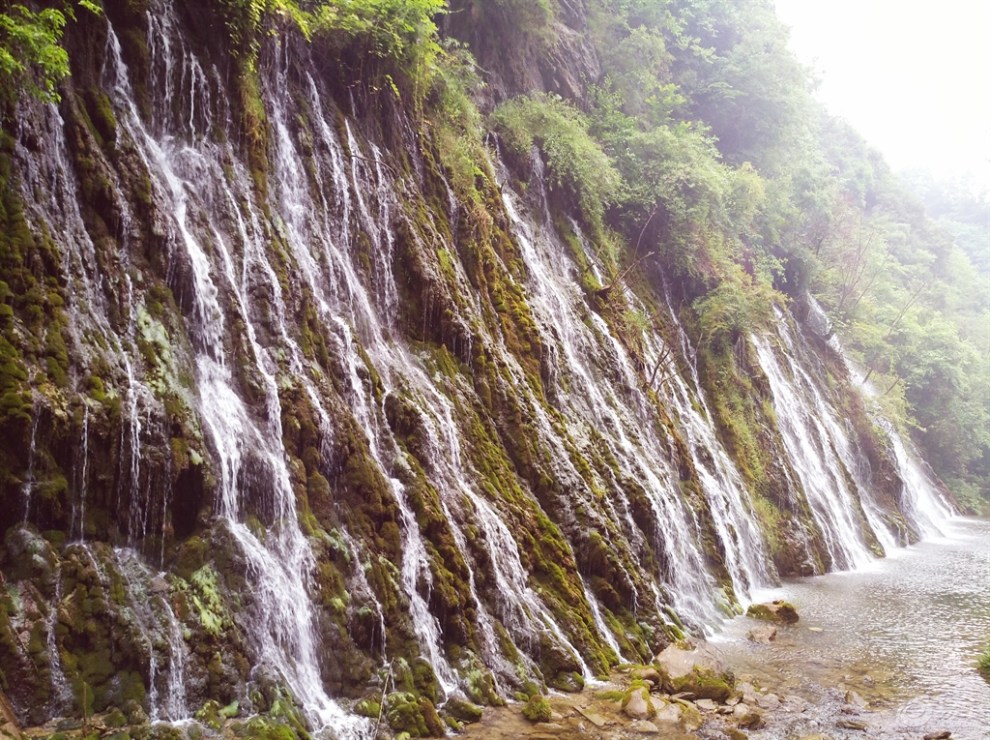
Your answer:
<point x="365" y="358"/>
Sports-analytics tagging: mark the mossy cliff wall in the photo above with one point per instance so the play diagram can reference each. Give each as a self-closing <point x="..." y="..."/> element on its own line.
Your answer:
<point x="398" y="342"/>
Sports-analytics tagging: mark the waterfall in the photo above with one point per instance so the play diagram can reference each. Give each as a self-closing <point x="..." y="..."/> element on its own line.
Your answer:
<point x="278" y="567"/>
<point x="805" y="420"/>
<point x="925" y="508"/>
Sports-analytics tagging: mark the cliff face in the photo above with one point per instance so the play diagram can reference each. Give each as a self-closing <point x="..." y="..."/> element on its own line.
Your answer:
<point x="286" y="423"/>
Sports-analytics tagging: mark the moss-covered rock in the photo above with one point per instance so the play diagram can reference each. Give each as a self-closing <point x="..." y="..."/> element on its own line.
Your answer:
<point x="775" y="611"/>
<point x="537" y="709"/>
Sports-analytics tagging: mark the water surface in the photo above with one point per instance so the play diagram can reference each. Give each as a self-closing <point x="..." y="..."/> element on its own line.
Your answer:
<point x="903" y="632"/>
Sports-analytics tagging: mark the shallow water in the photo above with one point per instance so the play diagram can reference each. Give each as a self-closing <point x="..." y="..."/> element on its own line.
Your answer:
<point x="904" y="633"/>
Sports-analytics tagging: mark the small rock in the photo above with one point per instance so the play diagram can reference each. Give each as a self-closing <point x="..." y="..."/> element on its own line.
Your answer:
<point x="706" y="704"/>
<point x="763" y="634"/>
<point x="941" y="735"/>
<point x="596" y="719"/>
<point x="736" y="734"/>
<point x="747" y="717"/>
<point x="646" y="674"/>
<point x="724" y="709"/>
<point x="683" y="696"/>
<point x="854" y="699"/>
<point x="668" y="713"/>
<point x="768" y="701"/>
<point x="643" y="727"/>
<point x="851" y="724"/>
<point x="748" y="692"/>
<point x="732" y="701"/>
<point x="815" y="629"/>
<point x="637" y="704"/>
<point x="795" y="702"/>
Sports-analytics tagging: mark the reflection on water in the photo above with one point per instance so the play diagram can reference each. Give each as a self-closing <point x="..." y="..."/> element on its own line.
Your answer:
<point x="904" y="633"/>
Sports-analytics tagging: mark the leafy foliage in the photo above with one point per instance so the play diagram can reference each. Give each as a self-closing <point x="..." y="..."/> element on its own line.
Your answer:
<point x="31" y="56"/>
<point x="574" y="158"/>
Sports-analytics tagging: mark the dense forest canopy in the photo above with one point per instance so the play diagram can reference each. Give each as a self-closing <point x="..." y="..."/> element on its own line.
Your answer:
<point x="697" y="145"/>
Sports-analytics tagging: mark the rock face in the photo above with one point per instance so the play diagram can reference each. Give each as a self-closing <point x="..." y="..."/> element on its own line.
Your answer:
<point x="775" y="611"/>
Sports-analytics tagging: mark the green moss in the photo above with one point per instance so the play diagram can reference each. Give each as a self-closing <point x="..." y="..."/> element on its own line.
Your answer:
<point x="983" y="663"/>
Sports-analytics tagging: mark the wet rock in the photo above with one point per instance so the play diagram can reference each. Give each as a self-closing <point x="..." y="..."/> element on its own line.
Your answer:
<point x="463" y="711"/>
<point x="941" y="735"/>
<point x="643" y="727"/>
<point x="851" y="724"/>
<point x="768" y="701"/>
<point x="747" y="717"/>
<point x="775" y="611"/>
<point x="795" y="703"/>
<point x="855" y="700"/>
<point x="697" y="669"/>
<point x="747" y="692"/>
<point x="764" y="634"/>
<point x="637" y="704"/>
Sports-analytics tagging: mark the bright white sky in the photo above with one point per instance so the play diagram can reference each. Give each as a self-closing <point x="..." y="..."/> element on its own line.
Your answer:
<point x="912" y="76"/>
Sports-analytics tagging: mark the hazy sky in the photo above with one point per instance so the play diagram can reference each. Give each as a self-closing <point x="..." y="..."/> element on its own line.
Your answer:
<point x="913" y="76"/>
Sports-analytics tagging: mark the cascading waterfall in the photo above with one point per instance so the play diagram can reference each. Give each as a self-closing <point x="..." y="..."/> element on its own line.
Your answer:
<point x="61" y="693"/>
<point x="921" y="502"/>
<point x="814" y="458"/>
<point x="278" y="567"/>
<point x="927" y="510"/>
<point x="28" y="486"/>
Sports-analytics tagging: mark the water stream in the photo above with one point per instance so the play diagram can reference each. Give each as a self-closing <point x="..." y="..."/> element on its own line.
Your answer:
<point x="903" y="633"/>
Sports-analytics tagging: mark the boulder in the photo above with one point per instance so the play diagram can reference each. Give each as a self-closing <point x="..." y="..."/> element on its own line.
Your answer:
<point x="775" y="611"/>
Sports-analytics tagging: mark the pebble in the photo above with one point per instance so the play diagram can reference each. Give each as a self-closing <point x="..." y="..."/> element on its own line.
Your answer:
<point x="707" y="705"/>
